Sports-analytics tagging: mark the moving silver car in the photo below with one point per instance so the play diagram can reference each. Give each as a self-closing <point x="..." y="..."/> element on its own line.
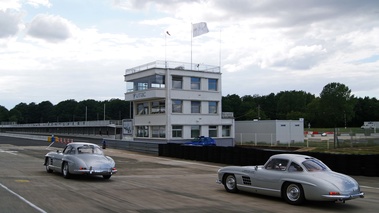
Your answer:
<point x="293" y="177"/>
<point x="82" y="159"/>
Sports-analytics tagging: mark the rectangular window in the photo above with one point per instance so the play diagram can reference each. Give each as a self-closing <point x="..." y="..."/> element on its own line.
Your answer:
<point x="158" y="131"/>
<point x="157" y="81"/>
<point x="158" y="107"/>
<point x="143" y="108"/>
<point x="153" y="81"/>
<point x="143" y="131"/>
<point x="195" y="83"/>
<point x="177" y="82"/>
<point x="177" y="106"/>
<point x="195" y="131"/>
<point x="195" y="106"/>
<point x="225" y="131"/>
<point x="142" y="86"/>
<point x="212" y="107"/>
<point x="212" y="84"/>
<point x="212" y="131"/>
<point x="177" y="131"/>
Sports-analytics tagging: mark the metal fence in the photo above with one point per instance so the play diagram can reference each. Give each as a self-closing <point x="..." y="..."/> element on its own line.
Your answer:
<point x="325" y="141"/>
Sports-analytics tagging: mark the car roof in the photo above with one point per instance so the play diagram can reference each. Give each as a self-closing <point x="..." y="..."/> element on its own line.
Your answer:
<point x="292" y="157"/>
<point x="76" y="144"/>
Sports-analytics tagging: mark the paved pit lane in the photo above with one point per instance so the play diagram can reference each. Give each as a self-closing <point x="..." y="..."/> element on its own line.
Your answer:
<point x="144" y="183"/>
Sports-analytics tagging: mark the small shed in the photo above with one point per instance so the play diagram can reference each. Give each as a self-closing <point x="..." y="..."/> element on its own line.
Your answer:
<point x="273" y="132"/>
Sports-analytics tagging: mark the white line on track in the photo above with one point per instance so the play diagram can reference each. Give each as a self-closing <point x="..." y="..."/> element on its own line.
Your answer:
<point x="23" y="199"/>
<point x="369" y="187"/>
<point x="10" y="152"/>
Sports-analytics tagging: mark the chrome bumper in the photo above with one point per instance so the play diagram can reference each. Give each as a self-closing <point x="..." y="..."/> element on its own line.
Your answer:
<point x="344" y="197"/>
<point x="95" y="171"/>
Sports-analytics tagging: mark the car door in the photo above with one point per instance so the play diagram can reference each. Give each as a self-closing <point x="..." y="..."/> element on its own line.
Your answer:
<point x="267" y="179"/>
<point x="57" y="160"/>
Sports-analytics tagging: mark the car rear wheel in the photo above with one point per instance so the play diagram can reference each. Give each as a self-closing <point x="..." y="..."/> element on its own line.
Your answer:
<point x="65" y="170"/>
<point x="293" y="193"/>
<point x="230" y="183"/>
<point x="47" y="165"/>
<point x="107" y="176"/>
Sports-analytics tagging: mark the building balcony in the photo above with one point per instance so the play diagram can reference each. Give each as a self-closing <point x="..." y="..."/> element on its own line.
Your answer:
<point x="173" y="65"/>
<point x="154" y="93"/>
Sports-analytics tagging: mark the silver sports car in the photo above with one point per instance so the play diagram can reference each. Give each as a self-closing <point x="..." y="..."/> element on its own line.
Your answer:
<point x="293" y="177"/>
<point x="80" y="158"/>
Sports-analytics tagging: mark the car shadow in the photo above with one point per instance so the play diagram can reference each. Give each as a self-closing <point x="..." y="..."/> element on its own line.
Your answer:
<point x="89" y="178"/>
<point x="320" y="205"/>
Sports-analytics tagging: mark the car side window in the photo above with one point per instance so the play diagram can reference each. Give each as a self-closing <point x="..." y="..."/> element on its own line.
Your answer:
<point x="277" y="164"/>
<point x="294" y="167"/>
<point x="69" y="150"/>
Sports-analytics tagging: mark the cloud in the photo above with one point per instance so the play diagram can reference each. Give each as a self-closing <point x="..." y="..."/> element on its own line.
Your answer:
<point x="301" y="57"/>
<point x="50" y="28"/>
<point x="10" y="23"/>
<point x="52" y="49"/>
<point x="37" y="3"/>
<point x="10" y="4"/>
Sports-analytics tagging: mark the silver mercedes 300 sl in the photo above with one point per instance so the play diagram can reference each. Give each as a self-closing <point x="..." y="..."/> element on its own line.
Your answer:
<point x="80" y="158"/>
<point x="293" y="177"/>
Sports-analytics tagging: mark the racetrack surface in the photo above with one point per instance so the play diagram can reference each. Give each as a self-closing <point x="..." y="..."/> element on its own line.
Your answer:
<point x="144" y="183"/>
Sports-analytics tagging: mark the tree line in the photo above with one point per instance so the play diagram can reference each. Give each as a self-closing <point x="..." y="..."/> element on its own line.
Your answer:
<point x="334" y="107"/>
<point x="66" y="111"/>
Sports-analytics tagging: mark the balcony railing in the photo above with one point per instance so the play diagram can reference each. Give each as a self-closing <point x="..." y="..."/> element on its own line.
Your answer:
<point x="174" y="65"/>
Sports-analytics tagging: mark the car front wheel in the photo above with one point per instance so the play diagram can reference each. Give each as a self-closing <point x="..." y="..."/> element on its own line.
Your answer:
<point x="65" y="170"/>
<point x="293" y="193"/>
<point x="230" y="183"/>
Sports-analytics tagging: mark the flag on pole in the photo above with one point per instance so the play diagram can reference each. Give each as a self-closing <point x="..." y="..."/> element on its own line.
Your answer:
<point x="199" y="29"/>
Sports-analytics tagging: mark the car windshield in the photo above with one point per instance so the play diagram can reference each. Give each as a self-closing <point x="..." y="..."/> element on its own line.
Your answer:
<point x="313" y="165"/>
<point x="89" y="149"/>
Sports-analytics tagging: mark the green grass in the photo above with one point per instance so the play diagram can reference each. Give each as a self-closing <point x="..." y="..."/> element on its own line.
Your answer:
<point x="349" y="145"/>
<point x="345" y="147"/>
<point x="342" y="130"/>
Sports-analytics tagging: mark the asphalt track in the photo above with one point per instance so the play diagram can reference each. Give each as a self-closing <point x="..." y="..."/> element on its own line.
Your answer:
<point x="144" y="183"/>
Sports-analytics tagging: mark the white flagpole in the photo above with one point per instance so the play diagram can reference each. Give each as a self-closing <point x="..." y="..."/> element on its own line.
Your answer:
<point x="219" y="64"/>
<point x="165" y="47"/>
<point x="191" y="42"/>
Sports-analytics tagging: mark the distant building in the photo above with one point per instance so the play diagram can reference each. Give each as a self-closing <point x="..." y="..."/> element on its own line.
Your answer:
<point x="272" y="132"/>
<point x="176" y="102"/>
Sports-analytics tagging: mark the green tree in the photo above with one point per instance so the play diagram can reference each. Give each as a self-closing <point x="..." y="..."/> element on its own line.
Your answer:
<point x="313" y="114"/>
<point x="232" y="103"/>
<point x="15" y="115"/>
<point x="118" y="109"/>
<point x="89" y="109"/>
<point x="336" y="105"/>
<point x="65" y="110"/>
<point x="293" y="103"/>
<point x="3" y="114"/>
<point x="366" y="109"/>
<point x="45" y="112"/>
<point x="20" y="113"/>
<point x="268" y="105"/>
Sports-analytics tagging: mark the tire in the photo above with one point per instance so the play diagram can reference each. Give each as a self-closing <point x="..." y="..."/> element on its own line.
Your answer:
<point x="293" y="193"/>
<point x="230" y="183"/>
<point x="65" y="170"/>
<point x="47" y="163"/>
<point x="107" y="177"/>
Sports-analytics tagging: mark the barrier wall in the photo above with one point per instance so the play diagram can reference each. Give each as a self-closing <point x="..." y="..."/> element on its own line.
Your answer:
<point x="364" y="165"/>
